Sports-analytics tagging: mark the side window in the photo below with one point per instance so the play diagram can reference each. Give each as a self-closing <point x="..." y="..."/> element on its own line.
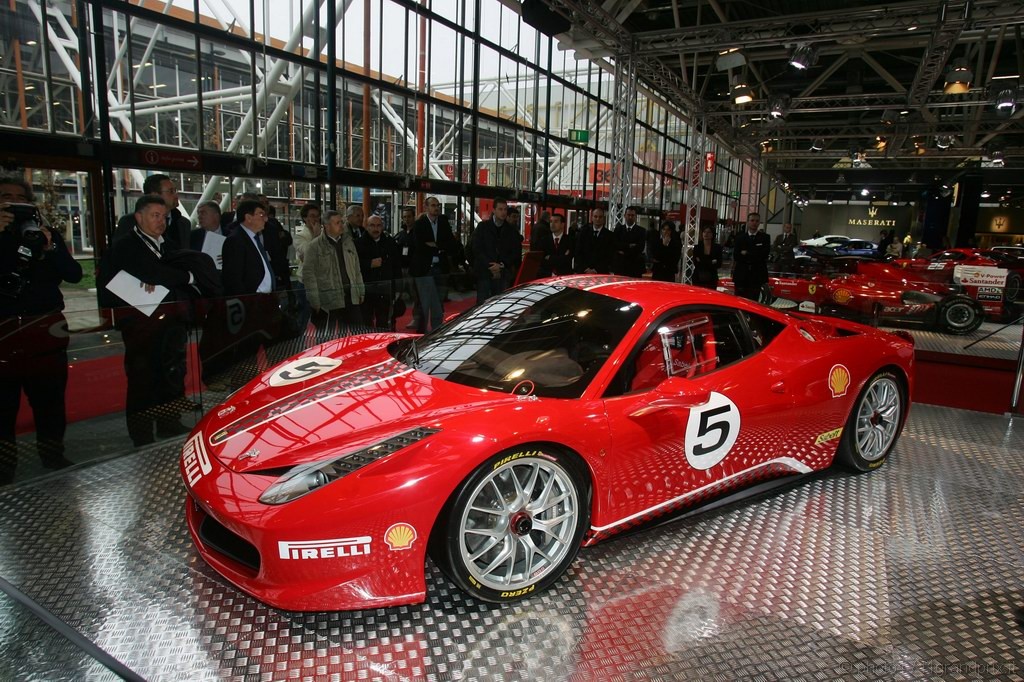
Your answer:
<point x="762" y="330"/>
<point x="688" y="344"/>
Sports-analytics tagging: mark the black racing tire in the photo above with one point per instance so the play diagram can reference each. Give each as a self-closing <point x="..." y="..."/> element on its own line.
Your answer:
<point x="874" y="424"/>
<point x="1013" y="286"/>
<point x="959" y="315"/>
<point x="515" y="503"/>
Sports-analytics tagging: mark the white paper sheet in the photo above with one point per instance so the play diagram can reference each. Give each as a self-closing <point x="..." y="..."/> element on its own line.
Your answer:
<point x="131" y="290"/>
<point x="213" y="245"/>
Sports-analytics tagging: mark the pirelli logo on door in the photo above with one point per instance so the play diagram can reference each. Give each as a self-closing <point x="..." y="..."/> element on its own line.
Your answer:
<point x="337" y="548"/>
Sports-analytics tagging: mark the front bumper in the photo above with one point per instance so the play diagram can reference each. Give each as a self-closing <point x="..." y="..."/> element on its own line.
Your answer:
<point x="331" y="550"/>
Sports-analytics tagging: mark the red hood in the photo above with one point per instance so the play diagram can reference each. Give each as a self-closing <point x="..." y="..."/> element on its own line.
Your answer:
<point x="369" y="397"/>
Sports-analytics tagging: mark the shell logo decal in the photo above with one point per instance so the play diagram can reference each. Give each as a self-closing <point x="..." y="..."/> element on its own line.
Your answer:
<point x="838" y="380"/>
<point x="400" y="536"/>
<point x="842" y="296"/>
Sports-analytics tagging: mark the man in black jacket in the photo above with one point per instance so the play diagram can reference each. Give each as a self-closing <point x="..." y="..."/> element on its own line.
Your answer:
<point x="488" y="260"/>
<point x="750" y="259"/>
<point x="595" y="245"/>
<point x="557" y="246"/>
<point x="379" y="263"/>
<point x="630" y="240"/>
<point x="33" y="331"/>
<point x="154" y="345"/>
<point x="430" y="262"/>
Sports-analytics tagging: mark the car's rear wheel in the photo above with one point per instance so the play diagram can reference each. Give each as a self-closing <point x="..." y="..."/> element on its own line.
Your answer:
<point x="960" y="315"/>
<point x="514" y="525"/>
<point x="1012" y="290"/>
<point x="874" y="424"/>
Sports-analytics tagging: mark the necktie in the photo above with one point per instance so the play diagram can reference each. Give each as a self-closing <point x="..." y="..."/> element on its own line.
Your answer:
<point x="557" y="239"/>
<point x="263" y="249"/>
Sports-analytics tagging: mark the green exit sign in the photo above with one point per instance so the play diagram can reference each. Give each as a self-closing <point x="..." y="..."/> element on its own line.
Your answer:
<point x="579" y="136"/>
<point x="735" y="194"/>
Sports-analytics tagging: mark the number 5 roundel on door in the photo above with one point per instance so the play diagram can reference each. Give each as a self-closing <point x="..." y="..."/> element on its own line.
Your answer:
<point x="711" y="431"/>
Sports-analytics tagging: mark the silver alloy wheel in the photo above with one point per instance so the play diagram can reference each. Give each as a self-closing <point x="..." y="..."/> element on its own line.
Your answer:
<point x="878" y="419"/>
<point x="519" y="523"/>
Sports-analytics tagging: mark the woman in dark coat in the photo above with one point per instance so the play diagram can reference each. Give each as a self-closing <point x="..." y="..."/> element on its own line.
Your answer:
<point x="707" y="258"/>
<point x="665" y="252"/>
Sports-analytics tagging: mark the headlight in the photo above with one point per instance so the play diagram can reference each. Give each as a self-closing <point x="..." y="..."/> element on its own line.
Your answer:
<point x="306" y="478"/>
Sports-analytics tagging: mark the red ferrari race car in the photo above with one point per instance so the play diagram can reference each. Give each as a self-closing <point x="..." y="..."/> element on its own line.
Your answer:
<point x="548" y="418"/>
<point x="876" y="291"/>
<point x="942" y="267"/>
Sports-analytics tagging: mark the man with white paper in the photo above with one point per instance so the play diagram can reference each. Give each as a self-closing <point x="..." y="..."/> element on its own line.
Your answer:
<point x="154" y="340"/>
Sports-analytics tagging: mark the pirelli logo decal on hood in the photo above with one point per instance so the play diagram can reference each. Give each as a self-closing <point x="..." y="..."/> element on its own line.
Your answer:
<point x="382" y="371"/>
<point x="338" y="548"/>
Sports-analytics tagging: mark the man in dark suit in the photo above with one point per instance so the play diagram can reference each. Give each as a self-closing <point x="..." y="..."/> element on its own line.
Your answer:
<point x="750" y="260"/>
<point x="630" y="240"/>
<point x="380" y="265"/>
<point x="249" y="280"/>
<point x="488" y="261"/>
<point x="557" y="246"/>
<point x="430" y="262"/>
<point x="595" y="246"/>
<point x="179" y="227"/>
<point x="154" y="345"/>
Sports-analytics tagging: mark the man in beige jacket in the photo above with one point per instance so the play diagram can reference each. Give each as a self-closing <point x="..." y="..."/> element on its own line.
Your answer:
<point x="333" y="281"/>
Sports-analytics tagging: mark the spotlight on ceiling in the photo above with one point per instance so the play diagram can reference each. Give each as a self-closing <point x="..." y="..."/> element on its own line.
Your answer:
<point x="778" y="106"/>
<point x="958" y="78"/>
<point x="985" y="194"/>
<point x="997" y="159"/>
<point x="803" y="57"/>
<point x="864" y="192"/>
<point x="881" y="142"/>
<point x="943" y="141"/>
<point x="889" y="116"/>
<point x="818" y="144"/>
<point x="742" y="93"/>
<point x="1006" y="101"/>
<point x="828" y="199"/>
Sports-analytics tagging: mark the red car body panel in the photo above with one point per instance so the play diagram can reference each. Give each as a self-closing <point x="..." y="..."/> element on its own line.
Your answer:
<point x="337" y="547"/>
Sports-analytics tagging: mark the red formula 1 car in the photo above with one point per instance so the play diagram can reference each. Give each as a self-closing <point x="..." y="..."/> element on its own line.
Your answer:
<point x="941" y="267"/>
<point x="553" y="416"/>
<point x="876" y="291"/>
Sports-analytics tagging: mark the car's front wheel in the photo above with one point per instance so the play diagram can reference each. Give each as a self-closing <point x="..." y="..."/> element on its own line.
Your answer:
<point x="874" y="424"/>
<point x="514" y="525"/>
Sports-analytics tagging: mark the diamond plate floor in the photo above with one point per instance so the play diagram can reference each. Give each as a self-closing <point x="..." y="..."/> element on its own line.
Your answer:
<point x="909" y="573"/>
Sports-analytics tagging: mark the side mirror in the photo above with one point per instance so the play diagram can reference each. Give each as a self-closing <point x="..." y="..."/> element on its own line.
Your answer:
<point x="672" y="393"/>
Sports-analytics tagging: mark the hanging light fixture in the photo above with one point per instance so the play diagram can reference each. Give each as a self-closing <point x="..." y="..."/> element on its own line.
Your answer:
<point x="1006" y="101"/>
<point x="742" y="93"/>
<point x="943" y="141"/>
<point x="958" y="78"/>
<point x="985" y="194"/>
<point x="778" y="106"/>
<point x="818" y="144"/>
<point x="803" y="57"/>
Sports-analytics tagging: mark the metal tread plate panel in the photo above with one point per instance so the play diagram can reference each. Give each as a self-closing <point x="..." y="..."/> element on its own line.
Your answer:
<point x="910" y="572"/>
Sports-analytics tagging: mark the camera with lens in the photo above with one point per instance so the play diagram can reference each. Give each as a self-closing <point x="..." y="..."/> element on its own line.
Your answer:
<point x="30" y="240"/>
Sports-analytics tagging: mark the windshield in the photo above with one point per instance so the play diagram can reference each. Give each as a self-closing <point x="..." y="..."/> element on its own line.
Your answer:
<point x="541" y="339"/>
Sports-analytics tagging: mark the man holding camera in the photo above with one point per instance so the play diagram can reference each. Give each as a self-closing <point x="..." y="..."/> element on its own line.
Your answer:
<point x="33" y="331"/>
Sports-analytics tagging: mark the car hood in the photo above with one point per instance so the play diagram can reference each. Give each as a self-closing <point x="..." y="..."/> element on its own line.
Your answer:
<point x="359" y="395"/>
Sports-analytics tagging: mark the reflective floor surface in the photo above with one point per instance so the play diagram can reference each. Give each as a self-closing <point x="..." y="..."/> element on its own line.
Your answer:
<point x="908" y="573"/>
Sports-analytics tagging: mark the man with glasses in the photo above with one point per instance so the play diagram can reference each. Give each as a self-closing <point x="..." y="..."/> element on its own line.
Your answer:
<point x="178" y="230"/>
<point x="430" y="262"/>
<point x="249" y="278"/>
